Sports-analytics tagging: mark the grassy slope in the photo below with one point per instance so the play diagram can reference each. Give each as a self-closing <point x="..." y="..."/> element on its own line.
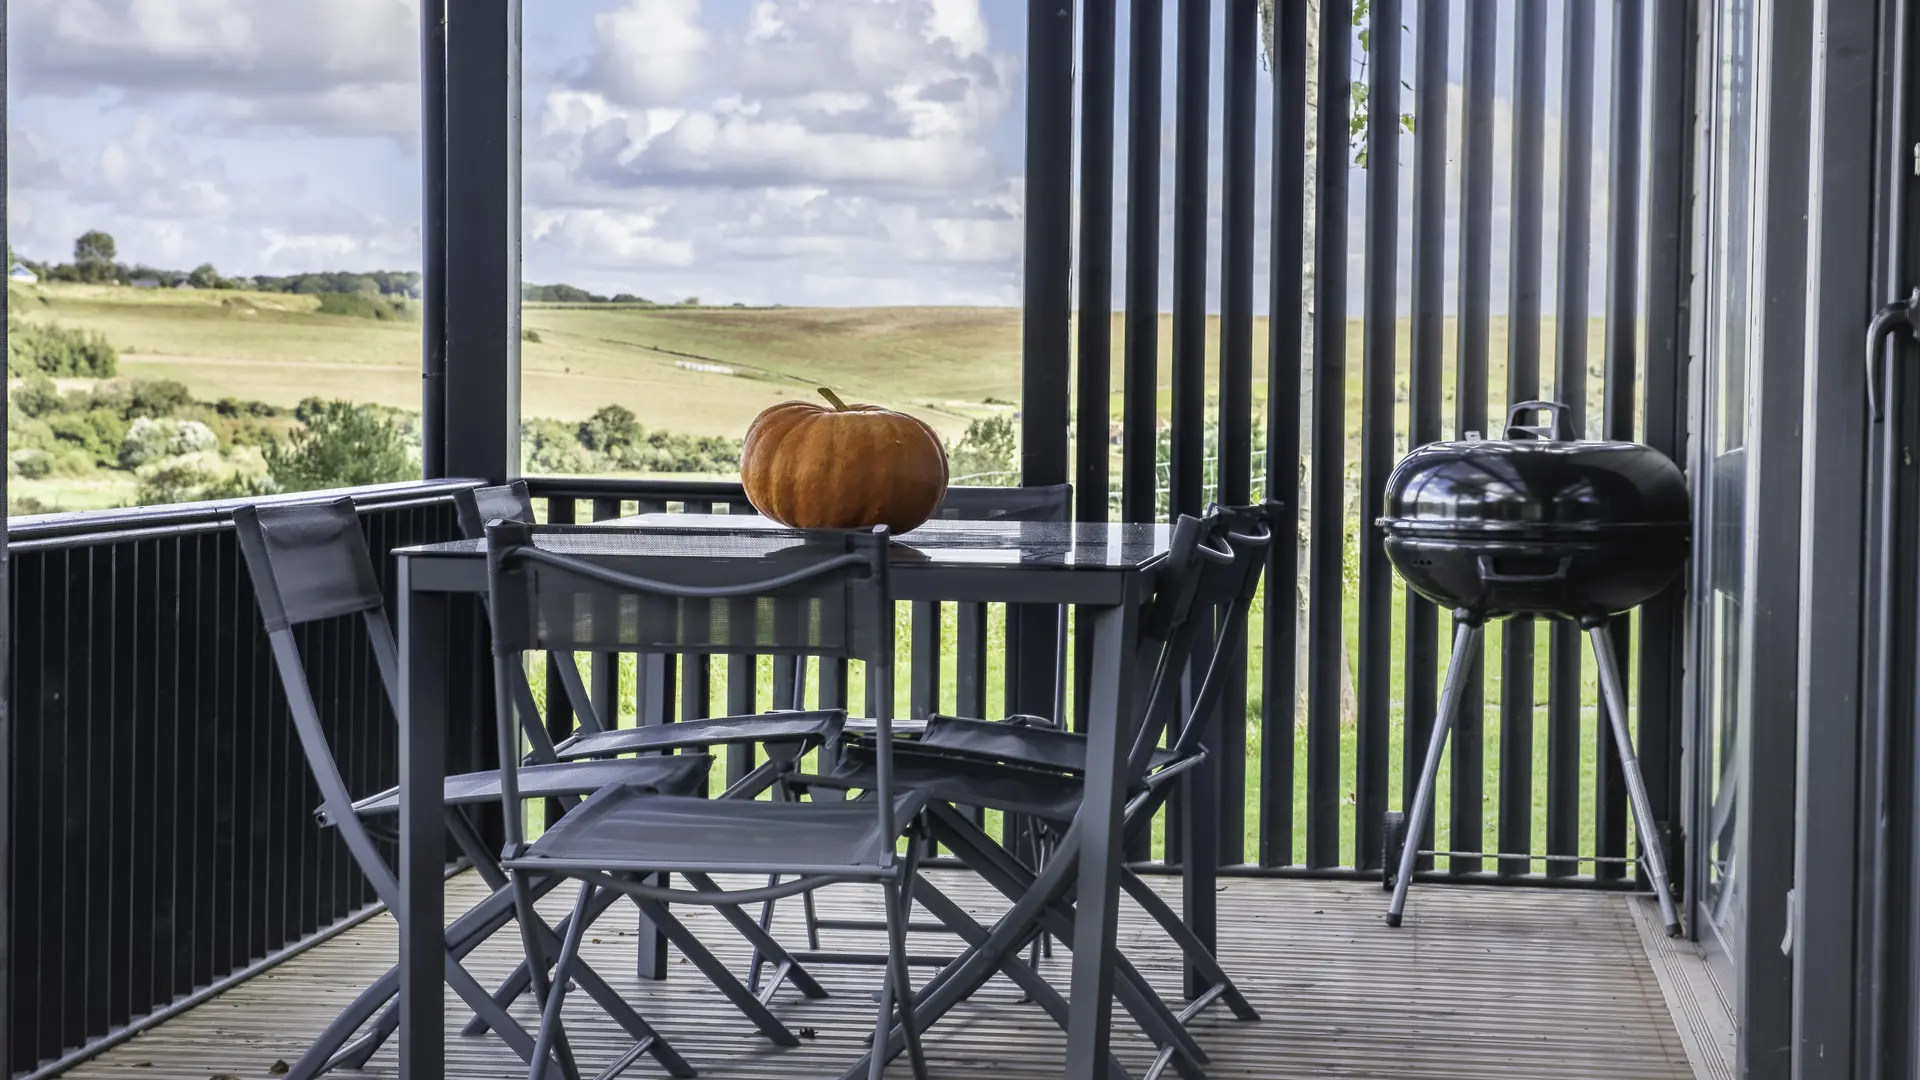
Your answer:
<point x="941" y="363"/>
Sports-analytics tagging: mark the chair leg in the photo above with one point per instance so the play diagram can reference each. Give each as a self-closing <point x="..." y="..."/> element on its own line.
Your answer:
<point x="719" y="975"/>
<point x="552" y="1034"/>
<point x="1190" y="944"/>
<point x="1466" y="643"/>
<point x="813" y="921"/>
<point x="763" y="942"/>
<point x="899" y="918"/>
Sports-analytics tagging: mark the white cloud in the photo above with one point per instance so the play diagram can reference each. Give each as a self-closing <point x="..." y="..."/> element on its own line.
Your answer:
<point x="170" y="207"/>
<point x="826" y="151"/>
<point x="650" y="52"/>
<point x="342" y="66"/>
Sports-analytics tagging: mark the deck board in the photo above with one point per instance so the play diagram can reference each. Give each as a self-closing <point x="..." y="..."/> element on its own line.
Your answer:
<point x="1481" y="982"/>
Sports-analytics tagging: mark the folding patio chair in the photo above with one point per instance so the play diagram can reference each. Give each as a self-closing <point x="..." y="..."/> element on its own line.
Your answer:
<point x="562" y="588"/>
<point x="1211" y="578"/>
<point x="309" y="563"/>
<point x="787" y="736"/>
<point x="1039" y="503"/>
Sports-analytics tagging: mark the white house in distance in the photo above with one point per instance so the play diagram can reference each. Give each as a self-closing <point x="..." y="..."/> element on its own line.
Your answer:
<point x="21" y="274"/>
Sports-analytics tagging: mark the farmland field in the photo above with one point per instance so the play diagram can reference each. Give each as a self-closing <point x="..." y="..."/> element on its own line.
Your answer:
<point x="702" y="371"/>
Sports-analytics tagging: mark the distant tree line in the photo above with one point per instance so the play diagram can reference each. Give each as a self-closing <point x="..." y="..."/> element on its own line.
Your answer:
<point x="96" y="261"/>
<point x="569" y="294"/>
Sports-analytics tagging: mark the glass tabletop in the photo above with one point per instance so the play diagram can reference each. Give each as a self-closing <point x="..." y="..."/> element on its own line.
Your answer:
<point x="944" y="543"/>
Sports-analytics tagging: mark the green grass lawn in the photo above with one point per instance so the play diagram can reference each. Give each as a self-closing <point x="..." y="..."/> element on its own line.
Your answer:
<point x="1348" y="734"/>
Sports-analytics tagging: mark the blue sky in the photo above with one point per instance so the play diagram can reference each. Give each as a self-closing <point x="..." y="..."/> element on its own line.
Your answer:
<point x="791" y="151"/>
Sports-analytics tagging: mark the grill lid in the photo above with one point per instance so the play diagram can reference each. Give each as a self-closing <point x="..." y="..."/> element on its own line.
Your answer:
<point x="1538" y="483"/>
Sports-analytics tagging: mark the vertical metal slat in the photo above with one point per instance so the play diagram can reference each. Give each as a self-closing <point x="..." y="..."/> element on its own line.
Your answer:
<point x="1325" y="786"/>
<point x="1379" y="359"/>
<point x="1525" y="211"/>
<point x="1570" y="389"/>
<point x="1470" y="386"/>
<point x="1428" y="331"/>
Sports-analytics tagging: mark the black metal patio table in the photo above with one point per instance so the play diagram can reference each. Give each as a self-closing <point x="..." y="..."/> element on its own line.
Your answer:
<point x="1105" y="570"/>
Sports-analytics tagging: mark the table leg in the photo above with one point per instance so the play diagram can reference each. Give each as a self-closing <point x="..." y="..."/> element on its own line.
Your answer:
<point x="1113" y="700"/>
<point x="423" y="758"/>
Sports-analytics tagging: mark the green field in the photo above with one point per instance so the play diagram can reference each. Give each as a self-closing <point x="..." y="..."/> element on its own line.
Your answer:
<point x="947" y="365"/>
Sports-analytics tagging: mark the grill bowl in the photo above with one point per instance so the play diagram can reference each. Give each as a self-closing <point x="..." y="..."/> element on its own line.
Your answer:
<point x="1537" y="523"/>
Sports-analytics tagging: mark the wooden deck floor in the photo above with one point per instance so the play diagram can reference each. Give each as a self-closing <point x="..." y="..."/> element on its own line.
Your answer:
<point x="1482" y="982"/>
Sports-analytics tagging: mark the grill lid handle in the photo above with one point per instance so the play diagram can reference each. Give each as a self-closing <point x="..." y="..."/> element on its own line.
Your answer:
<point x="1559" y="427"/>
<point x="1491" y="576"/>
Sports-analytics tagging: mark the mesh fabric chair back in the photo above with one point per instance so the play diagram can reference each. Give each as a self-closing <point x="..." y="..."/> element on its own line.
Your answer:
<point x="477" y="506"/>
<point x="582" y="588"/>
<point x="1052" y="502"/>
<point x="309" y="562"/>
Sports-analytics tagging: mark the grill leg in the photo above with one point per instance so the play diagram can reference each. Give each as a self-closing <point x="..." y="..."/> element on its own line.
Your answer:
<point x="1466" y="644"/>
<point x="1650" y="849"/>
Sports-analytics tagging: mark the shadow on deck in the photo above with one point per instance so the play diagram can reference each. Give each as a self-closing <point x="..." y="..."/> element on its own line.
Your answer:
<point x="1481" y="982"/>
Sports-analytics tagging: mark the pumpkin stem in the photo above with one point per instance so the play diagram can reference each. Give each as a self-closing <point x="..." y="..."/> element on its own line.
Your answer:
<point x="833" y="399"/>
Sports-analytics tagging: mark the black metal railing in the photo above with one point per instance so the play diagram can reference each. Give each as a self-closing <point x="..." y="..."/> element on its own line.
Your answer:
<point x="162" y="831"/>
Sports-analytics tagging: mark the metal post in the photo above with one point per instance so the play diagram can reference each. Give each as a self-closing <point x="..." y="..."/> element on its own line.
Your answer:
<point x="1570" y="389"/>
<point x="1139" y="501"/>
<point x="1379" y="348"/>
<point x="482" y="272"/>
<point x="1241" y="58"/>
<point x="1428" y="335"/>
<point x="1325" y="787"/>
<point x="7" y="1064"/>
<point x="433" y="238"/>
<point x="1770" y="609"/>
<point x="1515" y="810"/>
<point x="1280" y="692"/>
<point x="1668" y="229"/>
<point x="1470" y="381"/>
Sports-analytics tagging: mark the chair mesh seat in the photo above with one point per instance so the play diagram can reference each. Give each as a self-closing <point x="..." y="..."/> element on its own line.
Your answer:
<point x="627" y="827"/>
<point x="684" y="774"/>
<point x="991" y="785"/>
<point x="1017" y="744"/>
<point x="807" y="728"/>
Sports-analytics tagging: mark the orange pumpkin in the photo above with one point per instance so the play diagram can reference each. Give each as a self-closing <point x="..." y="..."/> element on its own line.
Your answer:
<point x="843" y="466"/>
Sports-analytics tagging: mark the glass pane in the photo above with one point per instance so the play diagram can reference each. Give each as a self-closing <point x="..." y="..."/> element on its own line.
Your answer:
<point x="213" y="251"/>
<point x="1724" y="495"/>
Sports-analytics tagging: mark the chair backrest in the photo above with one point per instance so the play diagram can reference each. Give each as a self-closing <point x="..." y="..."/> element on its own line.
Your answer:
<point x="309" y="561"/>
<point x="1051" y="502"/>
<point x="691" y="591"/>
<point x="506" y="502"/>
<point x="1221" y="556"/>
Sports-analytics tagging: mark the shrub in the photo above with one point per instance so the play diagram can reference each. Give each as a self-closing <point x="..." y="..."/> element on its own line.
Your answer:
<point x="157" y="397"/>
<point x="56" y="351"/>
<point x="29" y="463"/>
<point x="553" y="446"/>
<point x="610" y="429"/>
<point x="989" y="447"/>
<point x="530" y="336"/>
<point x="359" y="305"/>
<point x="98" y="432"/>
<point x="203" y="475"/>
<point x="340" y="444"/>
<point x="37" y="396"/>
<point x="149" y="440"/>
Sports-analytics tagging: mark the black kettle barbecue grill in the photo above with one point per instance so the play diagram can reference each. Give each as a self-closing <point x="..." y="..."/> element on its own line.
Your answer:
<point x="1537" y="523"/>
